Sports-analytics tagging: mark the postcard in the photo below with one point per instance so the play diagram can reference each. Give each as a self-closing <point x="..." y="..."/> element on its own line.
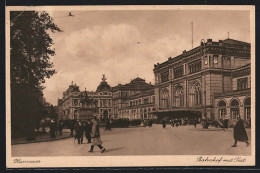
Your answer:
<point x="130" y="86"/>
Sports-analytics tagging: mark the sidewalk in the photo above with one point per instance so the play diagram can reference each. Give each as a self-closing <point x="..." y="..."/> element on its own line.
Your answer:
<point x="41" y="138"/>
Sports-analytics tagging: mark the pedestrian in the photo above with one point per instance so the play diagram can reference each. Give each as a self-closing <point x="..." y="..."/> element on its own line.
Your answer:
<point x="95" y="136"/>
<point x="176" y="122"/>
<point x="240" y="132"/>
<point x="108" y="125"/>
<point x="52" y="130"/>
<point x="225" y="123"/>
<point x="79" y="132"/>
<point x="172" y="122"/>
<point x="88" y="131"/>
<point x="195" y="122"/>
<point x="60" y="128"/>
<point x="150" y="123"/>
<point x="71" y="127"/>
<point x="164" y="123"/>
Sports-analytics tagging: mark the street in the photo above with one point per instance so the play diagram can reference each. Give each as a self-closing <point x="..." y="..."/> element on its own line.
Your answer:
<point x="182" y="140"/>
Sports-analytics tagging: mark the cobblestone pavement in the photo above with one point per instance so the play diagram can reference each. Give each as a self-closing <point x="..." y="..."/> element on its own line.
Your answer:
<point x="183" y="140"/>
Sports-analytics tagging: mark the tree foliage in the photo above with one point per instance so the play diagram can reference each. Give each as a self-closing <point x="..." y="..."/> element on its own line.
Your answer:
<point x="30" y="65"/>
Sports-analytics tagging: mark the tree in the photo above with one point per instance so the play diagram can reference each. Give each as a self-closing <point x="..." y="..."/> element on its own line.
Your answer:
<point x="31" y="48"/>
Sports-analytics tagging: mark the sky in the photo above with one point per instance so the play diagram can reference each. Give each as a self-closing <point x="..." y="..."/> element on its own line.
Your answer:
<point x="125" y="44"/>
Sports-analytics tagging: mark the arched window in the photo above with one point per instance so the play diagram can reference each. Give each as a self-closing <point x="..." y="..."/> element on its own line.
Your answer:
<point x="222" y="109"/>
<point x="178" y="97"/>
<point x="165" y="99"/>
<point x="195" y="95"/>
<point x="234" y="108"/>
<point x="247" y="106"/>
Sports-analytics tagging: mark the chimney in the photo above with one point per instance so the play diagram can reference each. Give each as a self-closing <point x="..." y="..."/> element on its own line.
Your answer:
<point x="71" y="82"/>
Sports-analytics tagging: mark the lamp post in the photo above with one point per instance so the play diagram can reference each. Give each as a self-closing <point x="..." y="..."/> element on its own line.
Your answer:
<point x="205" y="123"/>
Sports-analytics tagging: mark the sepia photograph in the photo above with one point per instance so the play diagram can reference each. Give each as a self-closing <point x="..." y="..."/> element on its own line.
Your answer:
<point x="110" y="86"/>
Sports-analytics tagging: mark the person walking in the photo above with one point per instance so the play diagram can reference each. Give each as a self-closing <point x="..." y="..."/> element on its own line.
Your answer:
<point x="79" y="132"/>
<point x="108" y="125"/>
<point x="95" y="136"/>
<point x="195" y="122"/>
<point x="164" y="123"/>
<point x="71" y="127"/>
<point x="88" y="131"/>
<point x="60" y="128"/>
<point x="53" y="129"/>
<point x="225" y="123"/>
<point x="240" y="132"/>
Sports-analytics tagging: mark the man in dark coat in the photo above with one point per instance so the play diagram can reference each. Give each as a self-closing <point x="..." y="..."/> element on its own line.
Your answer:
<point x="95" y="136"/>
<point x="53" y="129"/>
<point x="164" y="123"/>
<point x="71" y="127"/>
<point x="240" y="132"/>
<point x="225" y="123"/>
<point x="79" y="132"/>
<point x="108" y="125"/>
<point x="60" y="128"/>
<point x="195" y="122"/>
<point x="88" y="131"/>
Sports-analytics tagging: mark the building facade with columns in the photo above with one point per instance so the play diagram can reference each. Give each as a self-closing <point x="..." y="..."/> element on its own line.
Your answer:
<point x="103" y="100"/>
<point x="70" y="104"/>
<point x="236" y="102"/>
<point x="122" y="94"/>
<point x="191" y="82"/>
<point x="74" y="100"/>
<point x="140" y="106"/>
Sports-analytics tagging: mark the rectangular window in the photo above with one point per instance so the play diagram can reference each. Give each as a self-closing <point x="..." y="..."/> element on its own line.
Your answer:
<point x="195" y="66"/>
<point x="146" y="100"/>
<point x="222" y="113"/>
<point x="178" y="72"/>
<point x="170" y="74"/>
<point x="248" y="113"/>
<point x="234" y="113"/>
<point x="242" y="84"/>
<point x="165" y="76"/>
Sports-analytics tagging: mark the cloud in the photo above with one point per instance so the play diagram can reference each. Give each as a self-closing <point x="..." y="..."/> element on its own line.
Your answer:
<point x="120" y="51"/>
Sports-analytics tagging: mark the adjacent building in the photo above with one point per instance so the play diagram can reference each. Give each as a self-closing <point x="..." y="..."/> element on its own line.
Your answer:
<point x="203" y="79"/>
<point x="74" y="102"/>
<point x="127" y="99"/>
<point x="140" y="105"/>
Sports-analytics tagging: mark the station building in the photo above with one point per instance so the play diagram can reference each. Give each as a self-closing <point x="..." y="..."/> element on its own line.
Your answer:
<point x="212" y="80"/>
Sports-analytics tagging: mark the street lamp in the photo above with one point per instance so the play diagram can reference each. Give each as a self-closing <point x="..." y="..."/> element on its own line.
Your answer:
<point x="205" y="124"/>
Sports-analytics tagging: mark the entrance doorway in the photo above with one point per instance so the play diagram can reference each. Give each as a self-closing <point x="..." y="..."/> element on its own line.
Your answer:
<point x="105" y="114"/>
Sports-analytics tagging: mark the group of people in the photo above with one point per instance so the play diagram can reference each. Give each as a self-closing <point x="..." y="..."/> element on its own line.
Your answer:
<point x="148" y="123"/>
<point x="56" y="129"/>
<point x="92" y="133"/>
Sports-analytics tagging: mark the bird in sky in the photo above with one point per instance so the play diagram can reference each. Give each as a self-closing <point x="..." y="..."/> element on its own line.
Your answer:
<point x="138" y="42"/>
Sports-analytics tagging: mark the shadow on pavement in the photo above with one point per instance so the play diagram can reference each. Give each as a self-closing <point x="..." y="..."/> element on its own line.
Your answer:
<point x="114" y="149"/>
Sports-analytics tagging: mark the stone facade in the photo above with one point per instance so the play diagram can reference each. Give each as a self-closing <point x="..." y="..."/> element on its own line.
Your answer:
<point x="190" y="80"/>
<point x="238" y="100"/>
<point x="140" y="106"/>
<point x="123" y="94"/>
<point x="100" y="101"/>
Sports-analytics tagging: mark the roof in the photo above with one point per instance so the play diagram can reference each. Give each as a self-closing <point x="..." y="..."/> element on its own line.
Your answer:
<point x="103" y="86"/>
<point x="231" y="41"/>
<point x="134" y="85"/>
<point x="226" y="43"/>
